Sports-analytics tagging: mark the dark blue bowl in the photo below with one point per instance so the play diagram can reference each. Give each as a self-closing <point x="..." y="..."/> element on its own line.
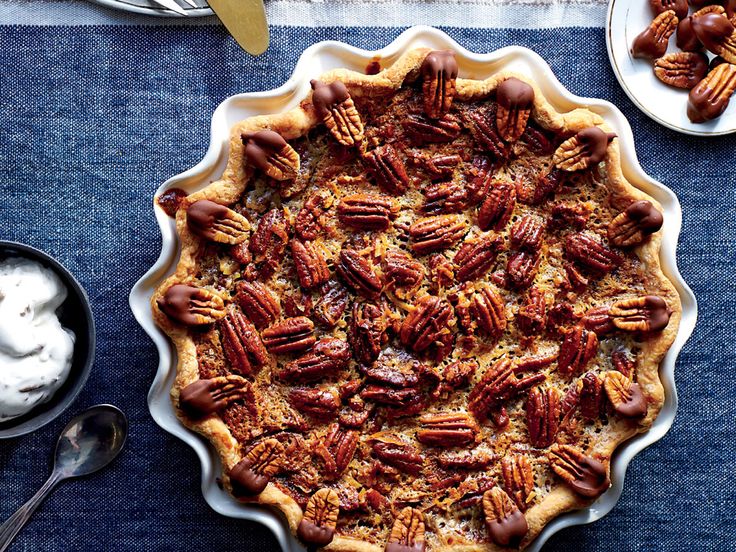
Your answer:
<point x="75" y="313"/>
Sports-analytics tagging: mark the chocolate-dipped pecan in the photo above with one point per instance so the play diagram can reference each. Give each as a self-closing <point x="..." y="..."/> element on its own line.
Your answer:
<point x="647" y="313"/>
<point x="251" y="475"/>
<point x="439" y="71"/>
<point x="634" y="224"/>
<point x="505" y="522"/>
<point x="625" y="395"/>
<point x="207" y="396"/>
<point x="268" y="151"/>
<point x="407" y="533"/>
<point x="583" y="474"/>
<point x="515" y="101"/>
<point x="584" y="150"/>
<point x="337" y="110"/>
<point x="318" y="524"/>
<point x="217" y="223"/>
<point x="191" y="306"/>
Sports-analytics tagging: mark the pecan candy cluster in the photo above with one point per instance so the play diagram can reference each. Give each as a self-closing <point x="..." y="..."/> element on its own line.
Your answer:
<point x="418" y="312"/>
<point x="711" y="28"/>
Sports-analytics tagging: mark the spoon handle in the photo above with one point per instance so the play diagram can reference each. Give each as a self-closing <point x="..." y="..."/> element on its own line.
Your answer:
<point x="15" y="523"/>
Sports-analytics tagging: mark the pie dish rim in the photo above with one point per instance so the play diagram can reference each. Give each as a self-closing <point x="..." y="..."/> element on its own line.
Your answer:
<point x="327" y="55"/>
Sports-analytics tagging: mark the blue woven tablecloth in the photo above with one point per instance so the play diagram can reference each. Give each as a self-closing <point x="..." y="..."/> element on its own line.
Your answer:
<point x="94" y="118"/>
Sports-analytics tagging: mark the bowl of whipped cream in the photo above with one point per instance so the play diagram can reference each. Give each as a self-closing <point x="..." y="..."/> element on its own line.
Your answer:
<point x="47" y="339"/>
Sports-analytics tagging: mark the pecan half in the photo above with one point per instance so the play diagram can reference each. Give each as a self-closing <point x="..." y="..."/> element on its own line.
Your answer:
<point x="518" y="479"/>
<point x="569" y="215"/>
<point x="207" y="396"/>
<point x="388" y="169"/>
<point x="584" y="475"/>
<point x="442" y="166"/>
<point x="217" y="223"/>
<point x="367" y="332"/>
<point x="366" y="211"/>
<point x="310" y="218"/>
<point x="625" y="395"/>
<point x="329" y="355"/>
<point x="395" y="453"/>
<point x="259" y="304"/>
<point x="526" y="233"/>
<point x="447" y="429"/>
<point x="652" y="42"/>
<point x="480" y="178"/>
<point x="505" y="522"/>
<point x="681" y="69"/>
<point x="532" y="317"/>
<point x="521" y="268"/>
<point x="191" y="306"/>
<point x="289" y="336"/>
<point x="401" y="270"/>
<point x="441" y="271"/>
<point x="268" y="151"/>
<point x="647" y="313"/>
<point x="439" y="70"/>
<point x="336" y="109"/>
<point x="436" y="233"/>
<point x="710" y="98"/>
<point x="407" y="533"/>
<point x="586" y="149"/>
<point x="680" y="7"/>
<point x="543" y="416"/>
<point x="322" y="404"/>
<point x="428" y="325"/>
<point x="623" y="362"/>
<point x="331" y="304"/>
<point x="496" y="209"/>
<point x="241" y="344"/>
<point x="483" y="128"/>
<point x="476" y="256"/>
<point x="515" y="100"/>
<point x="499" y="384"/>
<point x="589" y="252"/>
<point x="598" y="319"/>
<point x="459" y="373"/>
<point x="577" y="350"/>
<point x="269" y="241"/>
<point x="311" y="268"/>
<point x="358" y="273"/>
<point x="318" y="524"/>
<point x="445" y="197"/>
<point x="389" y="396"/>
<point x="592" y="399"/>
<point x="465" y="460"/>
<point x="488" y="310"/>
<point x="251" y="475"/>
<point x="634" y="224"/>
<point x="423" y="130"/>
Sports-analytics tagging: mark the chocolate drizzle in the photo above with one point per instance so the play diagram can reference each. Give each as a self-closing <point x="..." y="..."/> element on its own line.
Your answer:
<point x="327" y="96"/>
<point x="260" y="146"/>
<point x="595" y="143"/>
<point x="648" y="219"/>
<point x="188" y="305"/>
<point x="246" y="481"/>
<point x="310" y="533"/>
<point x="509" y="530"/>
<point x="170" y="200"/>
<point x="712" y="29"/>
<point x="514" y="94"/>
<point x="440" y="62"/>
<point x="635" y="406"/>
<point x="202" y="216"/>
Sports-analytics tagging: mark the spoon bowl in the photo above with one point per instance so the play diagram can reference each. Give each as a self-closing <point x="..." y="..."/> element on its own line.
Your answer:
<point x="91" y="441"/>
<point x="88" y="443"/>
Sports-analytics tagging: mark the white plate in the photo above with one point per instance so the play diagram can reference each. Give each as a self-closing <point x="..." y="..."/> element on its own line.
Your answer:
<point x="665" y="104"/>
<point x="147" y="7"/>
<point x="322" y="57"/>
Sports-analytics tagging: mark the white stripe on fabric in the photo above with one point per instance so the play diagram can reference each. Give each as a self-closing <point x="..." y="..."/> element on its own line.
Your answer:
<point x="527" y="14"/>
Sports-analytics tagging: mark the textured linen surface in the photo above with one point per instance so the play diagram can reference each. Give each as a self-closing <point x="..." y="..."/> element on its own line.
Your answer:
<point x="93" y="119"/>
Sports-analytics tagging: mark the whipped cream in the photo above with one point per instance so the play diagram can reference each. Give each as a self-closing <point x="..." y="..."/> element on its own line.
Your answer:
<point x="35" y="350"/>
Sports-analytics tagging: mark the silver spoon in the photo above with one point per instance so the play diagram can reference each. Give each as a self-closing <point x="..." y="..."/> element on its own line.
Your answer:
<point x="88" y="443"/>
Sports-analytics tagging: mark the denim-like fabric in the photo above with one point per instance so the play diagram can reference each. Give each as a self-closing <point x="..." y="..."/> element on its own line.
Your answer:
<point x="93" y="119"/>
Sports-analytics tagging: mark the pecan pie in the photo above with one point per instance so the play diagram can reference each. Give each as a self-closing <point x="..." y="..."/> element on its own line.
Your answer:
<point x="419" y="312"/>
